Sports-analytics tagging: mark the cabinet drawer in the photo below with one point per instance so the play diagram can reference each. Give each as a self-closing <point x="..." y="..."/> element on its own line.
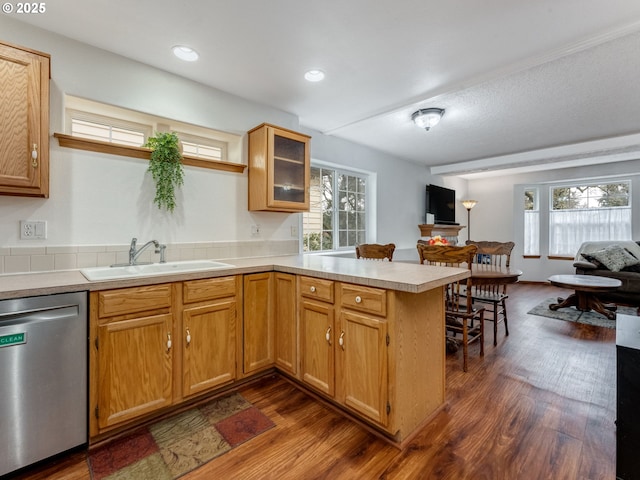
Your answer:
<point x="365" y="299"/>
<point x="208" y="288"/>
<point x="316" y="288"/>
<point x="131" y="300"/>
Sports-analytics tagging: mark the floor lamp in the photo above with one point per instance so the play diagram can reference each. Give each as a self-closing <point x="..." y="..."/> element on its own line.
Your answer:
<point x="469" y="204"/>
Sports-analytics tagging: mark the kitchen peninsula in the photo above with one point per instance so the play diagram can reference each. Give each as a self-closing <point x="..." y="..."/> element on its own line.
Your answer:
<point x="365" y="337"/>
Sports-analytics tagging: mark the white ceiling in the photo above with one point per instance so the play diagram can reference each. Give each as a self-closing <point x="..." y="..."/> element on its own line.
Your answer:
<point x="523" y="82"/>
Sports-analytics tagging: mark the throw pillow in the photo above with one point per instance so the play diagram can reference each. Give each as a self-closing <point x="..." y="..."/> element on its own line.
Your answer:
<point x="615" y="258"/>
<point x="590" y="258"/>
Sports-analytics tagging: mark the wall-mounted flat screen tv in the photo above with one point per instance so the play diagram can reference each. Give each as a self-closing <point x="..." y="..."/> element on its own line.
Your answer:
<point x="441" y="203"/>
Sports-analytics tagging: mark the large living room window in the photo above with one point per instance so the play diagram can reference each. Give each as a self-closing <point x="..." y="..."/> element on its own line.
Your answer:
<point x="588" y="212"/>
<point x="337" y="217"/>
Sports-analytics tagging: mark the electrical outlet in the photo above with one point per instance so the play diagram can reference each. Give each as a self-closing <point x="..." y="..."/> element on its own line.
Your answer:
<point x="294" y="231"/>
<point x="255" y="230"/>
<point x="33" y="230"/>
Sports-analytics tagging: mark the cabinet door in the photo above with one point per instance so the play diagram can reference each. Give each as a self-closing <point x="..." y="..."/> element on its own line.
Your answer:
<point x="286" y="323"/>
<point x="364" y="375"/>
<point x="24" y="122"/>
<point x="289" y="172"/>
<point x="134" y="358"/>
<point x="279" y="168"/>
<point x="208" y="343"/>
<point x="258" y="326"/>
<point x="317" y="333"/>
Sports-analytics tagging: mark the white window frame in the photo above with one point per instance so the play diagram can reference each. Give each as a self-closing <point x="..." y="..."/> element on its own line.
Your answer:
<point x="206" y="142"/>
<point x="611" y="223"/>
<point x="370" y="207"/>
<point x="532" y="224"/>
<point x="110" y="122"/>
<point x="545" y="206"/>
<point x="230" y="144"/>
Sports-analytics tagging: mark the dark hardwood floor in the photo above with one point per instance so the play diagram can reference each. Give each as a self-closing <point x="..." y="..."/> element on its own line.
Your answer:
<point x="540" y="405"/>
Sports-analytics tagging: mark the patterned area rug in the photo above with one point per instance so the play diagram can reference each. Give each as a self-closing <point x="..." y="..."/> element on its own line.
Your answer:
<point x="572" y="314"/>
<point x="172" y="447"/>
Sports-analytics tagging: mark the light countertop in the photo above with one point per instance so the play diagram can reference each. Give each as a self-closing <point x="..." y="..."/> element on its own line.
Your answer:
<point x="405" y="277"/>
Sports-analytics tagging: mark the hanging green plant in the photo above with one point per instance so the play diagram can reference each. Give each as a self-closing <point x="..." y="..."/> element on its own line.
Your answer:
<point x="166" y="168"/>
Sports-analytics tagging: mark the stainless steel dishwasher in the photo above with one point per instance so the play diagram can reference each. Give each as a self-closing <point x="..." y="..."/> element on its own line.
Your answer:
<point x="43" y="377"/>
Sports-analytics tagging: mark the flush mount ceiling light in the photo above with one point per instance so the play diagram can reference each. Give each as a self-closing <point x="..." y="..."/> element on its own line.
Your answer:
<point x="427" y="117"/>
<point x="187" y="54"/>
<point x="314" y="75"/>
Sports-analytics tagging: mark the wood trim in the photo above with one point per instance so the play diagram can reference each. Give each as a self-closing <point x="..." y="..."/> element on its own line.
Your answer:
<point x="554" y="257"/>
<point x="143" y="153"/>
<point x="531" y="256"/>
<point x="426" y="230"/>
<point x="278" y="128"/>
<point x="26" y="49"/>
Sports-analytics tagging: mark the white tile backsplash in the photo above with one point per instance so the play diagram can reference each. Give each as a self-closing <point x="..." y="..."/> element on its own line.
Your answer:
<point x="71" y="257"/>
<point x="42" y="263"/>
<point x="65" y="261"/>
<point x="17" y="263"/>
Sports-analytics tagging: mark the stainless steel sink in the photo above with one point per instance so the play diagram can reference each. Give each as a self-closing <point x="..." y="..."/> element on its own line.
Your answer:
<point x="153" y="269"/>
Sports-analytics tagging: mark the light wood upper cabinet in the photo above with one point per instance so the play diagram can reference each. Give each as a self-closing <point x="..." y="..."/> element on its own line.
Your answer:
<point x="24" y="122"/>
<point x="279" y="168"/>
<point x="208" y="334"/>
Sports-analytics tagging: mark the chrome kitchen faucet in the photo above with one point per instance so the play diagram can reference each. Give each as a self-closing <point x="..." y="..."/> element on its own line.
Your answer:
<point x="135" y="253"/>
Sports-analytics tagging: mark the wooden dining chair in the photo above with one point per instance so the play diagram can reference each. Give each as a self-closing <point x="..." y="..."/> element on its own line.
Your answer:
<point x="497" y="254"/>
<point x="461" y="315"/>
<point x="375" y="251"/>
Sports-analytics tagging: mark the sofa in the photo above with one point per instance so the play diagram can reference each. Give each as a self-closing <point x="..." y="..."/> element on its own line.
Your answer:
<point x="625" y="266"/>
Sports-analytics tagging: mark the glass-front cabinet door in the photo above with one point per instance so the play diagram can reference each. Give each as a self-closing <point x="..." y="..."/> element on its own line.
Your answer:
<point x="278" y="169"/>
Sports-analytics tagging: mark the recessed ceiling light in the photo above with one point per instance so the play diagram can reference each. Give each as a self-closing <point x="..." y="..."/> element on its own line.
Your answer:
<point x="187" y="54"/>
<point x="314" y="75"/>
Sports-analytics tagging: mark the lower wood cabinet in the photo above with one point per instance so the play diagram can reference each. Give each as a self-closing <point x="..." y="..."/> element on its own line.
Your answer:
<point x="131" y="353"/>
<point x="286" y="322"/>
<point x="377" y="354"/>
<point x="346" y="357"/>
<point x="317" y="330"/>
<point x="156" y="346"/>
<point x="258" y="323"/>
<point x="363" y="363"/>
<point x="208" y="334"/>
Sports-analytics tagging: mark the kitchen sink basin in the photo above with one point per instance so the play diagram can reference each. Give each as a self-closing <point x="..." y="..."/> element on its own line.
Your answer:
<point x="152" y="269"/>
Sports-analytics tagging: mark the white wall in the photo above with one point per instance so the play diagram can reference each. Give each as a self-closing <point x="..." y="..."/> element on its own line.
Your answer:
<point x="103" y="199"/>
<point x="498" y="214"/>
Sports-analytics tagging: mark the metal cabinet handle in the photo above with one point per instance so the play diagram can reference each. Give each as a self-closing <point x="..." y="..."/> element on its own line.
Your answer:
<point x="312" y="289"/>
<point x="358" y="299"/>
<point x="188" y="336"/>
<point x="328" y="335"/>
<point x="168" y="341"/>
<point x="341" y="340"/>
<point x="34" y="156"/>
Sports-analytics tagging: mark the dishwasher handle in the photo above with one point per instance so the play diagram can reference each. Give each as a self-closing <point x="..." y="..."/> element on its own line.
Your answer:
<point x="39" y="314"/>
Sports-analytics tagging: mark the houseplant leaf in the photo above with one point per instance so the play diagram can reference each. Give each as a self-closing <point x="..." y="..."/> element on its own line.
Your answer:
<point x="166" y="168"/>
